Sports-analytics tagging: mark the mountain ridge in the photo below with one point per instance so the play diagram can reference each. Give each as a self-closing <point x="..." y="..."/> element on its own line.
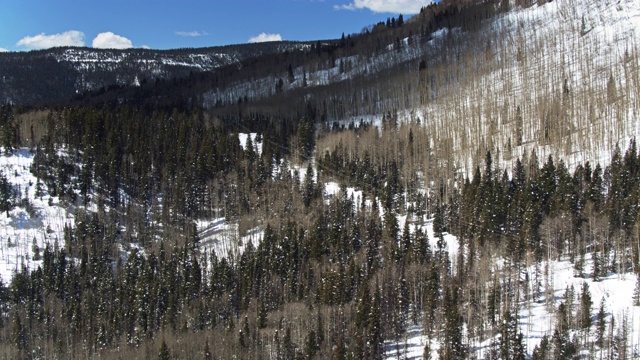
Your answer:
<point x="76" y="70"/>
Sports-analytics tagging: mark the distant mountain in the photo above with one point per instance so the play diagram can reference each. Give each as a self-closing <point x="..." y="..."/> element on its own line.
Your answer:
<point x="252" y="72"/>
<point x="52" y="75"/>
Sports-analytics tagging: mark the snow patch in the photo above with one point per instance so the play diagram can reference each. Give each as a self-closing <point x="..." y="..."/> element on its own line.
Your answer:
<point x="22" y="232"/>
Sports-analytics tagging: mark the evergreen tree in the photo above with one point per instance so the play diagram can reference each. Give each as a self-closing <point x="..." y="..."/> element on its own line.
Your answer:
<point x="596" y="189"/>
<point x="245" y="327"/>
<point x="421" y="247"/>
<point x="602" y="326"/>
<point x="311" y="345"/>
<point x="453" y="347"/>
<point x="19" y="333"/>
<point x="9" y="134"/>
<point x="542" y="350"/>
<point x="306" y="138"/>
<point x="340" y="351"/>
<point x="511" y="340"/>
<point x="163" y="352"/>
<point x="636" y="292"/>
<point x="438" y="221"/>
<point x="427" y="350"/>
<point x="432" y="296"/>
<point x="290" y="75"/>
<point x="374" y="339"/>
<point x="7" y="194"/>
<point x="405" y="243"/>
<point x="262" y="315"/>
<point x="364" y="305"/>
<point x="597" y="266"/>
<point x="309" y="186"/>
<point x="563" y="346"/>
<point x="585" y="307"/>
<point x="392" y="231"/>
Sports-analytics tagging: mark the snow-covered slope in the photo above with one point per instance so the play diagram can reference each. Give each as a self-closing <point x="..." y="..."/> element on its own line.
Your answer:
<point x="615" y="291"/>
<point x="537" y="315"/>
<point x="224" y="238"/>
<point x="26" y="229"/>
<point x="560" y="78"/>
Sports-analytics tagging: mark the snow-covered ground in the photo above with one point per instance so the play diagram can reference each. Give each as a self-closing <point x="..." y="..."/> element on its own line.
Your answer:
<point x="528" y="59"/>
<point x="20" y="230"/>
<point x="411" y="345"/>
<point x="535" y="319"/>
<point x="537" y="53"/>
<point x="615" y="290"/>
<point x="333" y="189"/>
<point x="224" y="238"/>
<point x="257" y="145"/>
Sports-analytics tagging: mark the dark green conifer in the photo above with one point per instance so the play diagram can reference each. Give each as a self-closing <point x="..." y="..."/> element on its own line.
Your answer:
<point x="585" y="307"/>
<point x="602" y="325"/>
<point x="163" y="352"/>
<point x="7" y="195"/>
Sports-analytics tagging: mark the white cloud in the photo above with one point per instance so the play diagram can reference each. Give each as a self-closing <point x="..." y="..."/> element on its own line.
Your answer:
<point x="264" y="37"/>
<point x="191" y="33"/>
<point x="42" y="41"/>
<point x="109" y="40"/>
<point x="387" y="6"/>
<point x="3" y="50"/>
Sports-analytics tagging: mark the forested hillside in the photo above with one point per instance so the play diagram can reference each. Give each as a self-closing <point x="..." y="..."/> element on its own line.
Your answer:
<point x="56" y="75"/>
<point x="469" y="191"/>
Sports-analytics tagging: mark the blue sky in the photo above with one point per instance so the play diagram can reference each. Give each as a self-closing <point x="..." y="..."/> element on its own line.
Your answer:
<point x="167" y="24"/>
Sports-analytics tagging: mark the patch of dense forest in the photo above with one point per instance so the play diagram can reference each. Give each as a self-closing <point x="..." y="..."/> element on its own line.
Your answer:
<point x="333" y="276"/>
